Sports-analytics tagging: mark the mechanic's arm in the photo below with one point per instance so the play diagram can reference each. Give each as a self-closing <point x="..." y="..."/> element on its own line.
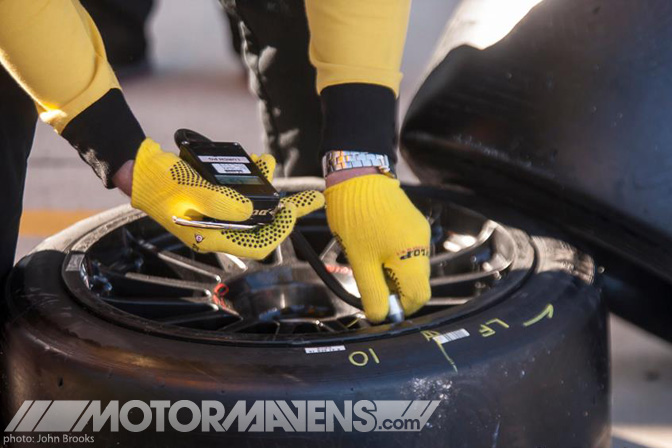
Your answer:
<point x="53" y="50"/>
<point x="356" y="47"/>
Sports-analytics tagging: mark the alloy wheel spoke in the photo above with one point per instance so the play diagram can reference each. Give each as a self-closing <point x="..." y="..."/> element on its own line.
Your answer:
<point x="176" y="283"/>
<point x="192" y="265"/>
<point x="161" y="301"/>
<point x="447" y="301"/>
<point x="285" y="252"/>
<point x="192" y="319"/>
<point x="331" y="252"/>
<point x="464" y="278"/>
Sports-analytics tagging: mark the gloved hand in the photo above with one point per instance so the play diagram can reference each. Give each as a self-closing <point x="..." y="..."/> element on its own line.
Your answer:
<point x="382" y="234"/>
<point x="165" y="186"/>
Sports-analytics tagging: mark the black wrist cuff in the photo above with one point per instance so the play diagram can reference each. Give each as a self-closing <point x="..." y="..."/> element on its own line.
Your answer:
<point x="106" y="135"/>
<point x="359" y="117"/>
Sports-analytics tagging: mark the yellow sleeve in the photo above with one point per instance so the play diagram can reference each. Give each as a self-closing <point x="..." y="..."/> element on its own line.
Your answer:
<point x="53" y="49"/>
<point x="357" y="41"/>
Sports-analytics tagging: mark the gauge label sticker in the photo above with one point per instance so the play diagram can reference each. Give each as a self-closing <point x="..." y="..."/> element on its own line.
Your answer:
<point x="74" y="263"/>
<point x="330" y="349"/>
<point x="223" y="159"/>
<point x="231" y="168"/>
<point x="452" y="336"/>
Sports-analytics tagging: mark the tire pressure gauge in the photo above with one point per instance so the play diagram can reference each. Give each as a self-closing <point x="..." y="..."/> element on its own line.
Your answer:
<point x="228" y="165"/>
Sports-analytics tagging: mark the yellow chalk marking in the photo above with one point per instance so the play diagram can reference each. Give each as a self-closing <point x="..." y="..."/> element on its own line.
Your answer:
<point x="362" y="363"/>
<point x="360" y="359"/>
<point x="445" y="355"/>
<point x="486" y="331"/>
<point x="43" y="223"/>
<point x="548" y="312"/>
<point x="430" y="334"/>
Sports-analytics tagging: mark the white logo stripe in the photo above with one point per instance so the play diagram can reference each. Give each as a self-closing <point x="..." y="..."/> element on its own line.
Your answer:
<point x="34" y="415"/>
<point x="429" y="410"/>
<point x="410" y="403"/>
<point x="18" y="416"/>
<point x="417" y="408"/>
<point x="61" y="416"/>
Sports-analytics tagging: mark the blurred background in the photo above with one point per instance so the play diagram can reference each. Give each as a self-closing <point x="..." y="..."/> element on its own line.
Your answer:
<point x="193" y="78"/>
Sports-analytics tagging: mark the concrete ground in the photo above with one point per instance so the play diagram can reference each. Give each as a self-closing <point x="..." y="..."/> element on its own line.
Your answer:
<point x="197" y="83"/>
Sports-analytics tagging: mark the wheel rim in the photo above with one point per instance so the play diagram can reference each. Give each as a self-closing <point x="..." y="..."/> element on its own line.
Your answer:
<point x="135" y="274"/>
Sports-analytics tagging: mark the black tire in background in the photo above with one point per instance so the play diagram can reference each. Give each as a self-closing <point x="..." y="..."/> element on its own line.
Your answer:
<point x="534" y="370"/>
<point x="566" y="117"/>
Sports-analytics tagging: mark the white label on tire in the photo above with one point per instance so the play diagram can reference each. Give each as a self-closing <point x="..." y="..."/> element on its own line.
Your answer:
<point x="330" y="349"/>
<point x="452" y="336"/>
<point x="231" y="168"/>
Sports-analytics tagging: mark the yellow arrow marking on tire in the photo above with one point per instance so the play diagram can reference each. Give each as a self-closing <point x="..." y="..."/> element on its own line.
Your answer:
<point x="548" y="312"/>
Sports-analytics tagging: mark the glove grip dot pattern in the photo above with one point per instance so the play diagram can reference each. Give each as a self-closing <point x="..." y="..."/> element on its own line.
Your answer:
<point x="263" y="167"/>
<point x="265" y="236"/>
<point x="303" y="199"/>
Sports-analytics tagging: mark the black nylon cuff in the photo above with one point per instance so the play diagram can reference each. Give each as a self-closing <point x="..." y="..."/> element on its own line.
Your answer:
<point x="106" y="135"/>
<point x="359" y="117"/>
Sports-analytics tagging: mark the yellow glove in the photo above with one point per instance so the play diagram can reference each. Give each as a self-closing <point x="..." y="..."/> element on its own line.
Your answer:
<point x="165" y="186"/>
<point x="382" y="234"/>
